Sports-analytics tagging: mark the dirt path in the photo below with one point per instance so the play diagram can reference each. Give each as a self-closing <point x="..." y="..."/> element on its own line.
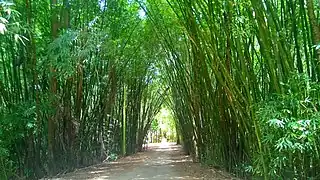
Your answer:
<point x="160" y="162"/>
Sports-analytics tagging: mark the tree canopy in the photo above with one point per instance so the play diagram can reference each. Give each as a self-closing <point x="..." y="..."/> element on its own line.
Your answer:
<point x="83" y="80"/>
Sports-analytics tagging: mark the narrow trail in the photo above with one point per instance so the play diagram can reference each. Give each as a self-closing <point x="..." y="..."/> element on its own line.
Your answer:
<point x="161" y="162"/>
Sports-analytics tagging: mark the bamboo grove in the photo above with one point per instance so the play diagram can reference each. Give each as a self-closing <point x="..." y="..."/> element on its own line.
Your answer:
<point x="81" y="82"/>
<point x="244" y="80"/>
<point x="78" y="84"/>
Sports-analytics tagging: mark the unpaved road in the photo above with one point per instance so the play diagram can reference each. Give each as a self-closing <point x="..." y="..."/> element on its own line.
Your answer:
<point x="160" y="162"/>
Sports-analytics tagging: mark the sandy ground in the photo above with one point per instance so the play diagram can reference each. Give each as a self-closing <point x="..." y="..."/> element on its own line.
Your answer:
<point x="160" y="162"/>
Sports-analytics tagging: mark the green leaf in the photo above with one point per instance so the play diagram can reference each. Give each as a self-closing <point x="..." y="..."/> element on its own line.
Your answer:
<point x="3" y="28"/>
<point x="276" y="122"/>
<point x="3" y="20"/>
<point x="30" y="125"/>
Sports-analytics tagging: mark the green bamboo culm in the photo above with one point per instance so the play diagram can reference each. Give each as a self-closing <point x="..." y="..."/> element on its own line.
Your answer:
<point x="124" y="123"/>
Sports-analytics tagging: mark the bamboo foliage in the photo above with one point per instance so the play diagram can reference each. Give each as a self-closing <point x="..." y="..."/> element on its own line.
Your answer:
<point x="74" y="91"/>
<point x="81" y="82"/>
<point x="230" y="57"/>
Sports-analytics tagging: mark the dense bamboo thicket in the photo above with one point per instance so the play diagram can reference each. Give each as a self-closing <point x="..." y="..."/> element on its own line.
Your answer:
<point x="78" y="84"/>
<point x="244" y="80"/>
<point x="82" y="81"/>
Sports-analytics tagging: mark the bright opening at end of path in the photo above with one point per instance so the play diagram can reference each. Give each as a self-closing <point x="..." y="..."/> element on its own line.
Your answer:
<point x="164" y="143"/>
